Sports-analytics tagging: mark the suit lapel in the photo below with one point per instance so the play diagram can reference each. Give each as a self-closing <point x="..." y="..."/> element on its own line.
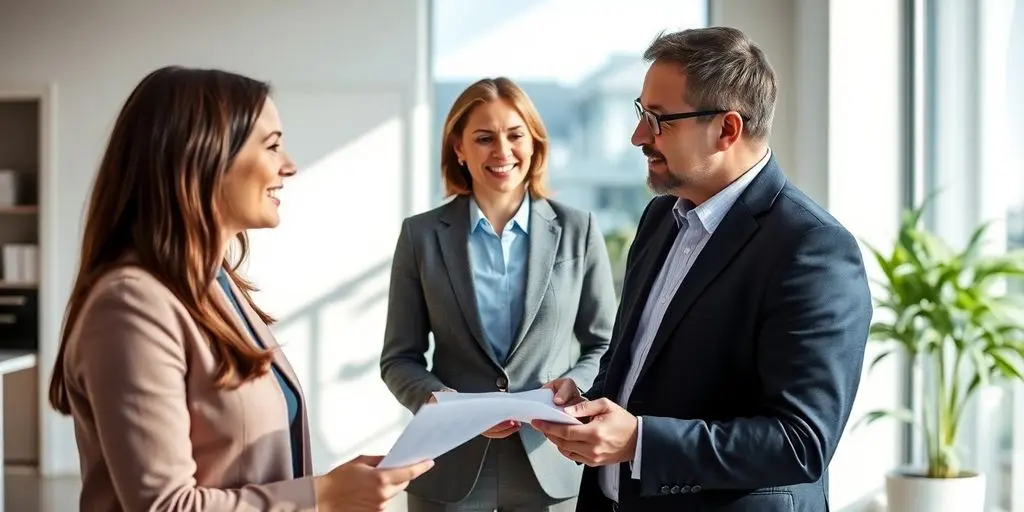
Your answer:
<point x="648" y="265"/>
<point x="453" y="238"/>
<point x="263" y="333"/>
<point x="544" y="236"/>
<point x="731" y="235"/>
<point x="278" y="359"/>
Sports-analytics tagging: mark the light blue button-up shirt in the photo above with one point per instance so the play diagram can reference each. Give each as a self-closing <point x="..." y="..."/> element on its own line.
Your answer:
<point x="498" y="265"/>
<point x="696" y="226"/>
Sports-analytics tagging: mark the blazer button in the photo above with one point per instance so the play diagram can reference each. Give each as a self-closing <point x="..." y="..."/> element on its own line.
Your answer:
<point x="685" y="489"/>
<point x="675" y="489"/>
<point x="695" y="488"/>
<point x="502" y="383"/>
<point x="665" y="489"/>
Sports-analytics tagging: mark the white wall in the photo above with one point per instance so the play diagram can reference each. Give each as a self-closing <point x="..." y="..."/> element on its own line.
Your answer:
<point x="769" y="24"/>
<point x="866" y="171"/>
<point x="839" y="136"/>
<point x="351" y="82"/>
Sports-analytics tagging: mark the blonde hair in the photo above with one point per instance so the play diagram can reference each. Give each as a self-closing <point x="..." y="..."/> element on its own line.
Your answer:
<point x="455" y="176"/>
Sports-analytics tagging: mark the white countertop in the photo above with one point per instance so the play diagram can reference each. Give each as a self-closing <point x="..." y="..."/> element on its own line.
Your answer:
<point x="16" y="360"/>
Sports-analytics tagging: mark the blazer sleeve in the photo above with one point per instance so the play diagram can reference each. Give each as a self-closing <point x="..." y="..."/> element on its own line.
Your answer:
<point x="811" y="347"/>
<point x="596" y="313"/>
<point x="403" y="361"/>
<point x="130" y="364"/>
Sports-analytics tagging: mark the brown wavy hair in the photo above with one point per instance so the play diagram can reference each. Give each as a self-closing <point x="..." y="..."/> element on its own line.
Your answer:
<point x="176" y="136"/>
<point x="457" y="180"/>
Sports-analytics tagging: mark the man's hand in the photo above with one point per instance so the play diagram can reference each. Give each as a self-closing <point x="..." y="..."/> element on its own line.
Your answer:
<point x="502" y="430"/>
<point x="609" y="437"/>
<point x="566" y="391"/>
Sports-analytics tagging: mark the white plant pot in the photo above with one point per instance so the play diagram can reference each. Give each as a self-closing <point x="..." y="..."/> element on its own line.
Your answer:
<point x="908" y="492"/>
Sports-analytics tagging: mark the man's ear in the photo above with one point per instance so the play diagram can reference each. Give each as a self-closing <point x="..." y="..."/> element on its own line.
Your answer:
<point x="732" y="129"/>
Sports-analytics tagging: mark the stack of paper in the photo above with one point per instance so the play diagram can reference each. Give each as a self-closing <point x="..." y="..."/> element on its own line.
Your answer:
<point x="459" y="417"/>
<point x="19" y="263"/>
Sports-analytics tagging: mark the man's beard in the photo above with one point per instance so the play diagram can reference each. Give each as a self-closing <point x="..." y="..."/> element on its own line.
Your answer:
<point x="661" y="183"/>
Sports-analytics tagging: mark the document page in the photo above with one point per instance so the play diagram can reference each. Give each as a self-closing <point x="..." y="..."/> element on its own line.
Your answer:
<point x="459" y="417"/>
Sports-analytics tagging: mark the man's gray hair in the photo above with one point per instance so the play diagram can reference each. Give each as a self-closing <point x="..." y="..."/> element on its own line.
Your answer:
<point x="725" y="70"/>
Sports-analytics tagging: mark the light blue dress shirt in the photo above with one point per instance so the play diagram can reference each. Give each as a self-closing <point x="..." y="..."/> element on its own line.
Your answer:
<point x="498" y="265"/>
<point x="696" y="226"/>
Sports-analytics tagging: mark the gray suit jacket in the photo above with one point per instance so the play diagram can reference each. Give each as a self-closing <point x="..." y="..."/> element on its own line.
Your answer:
<point x="569" y="309"/>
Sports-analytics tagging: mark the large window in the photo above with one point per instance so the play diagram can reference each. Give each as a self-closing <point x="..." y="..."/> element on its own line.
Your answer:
<point x="1010" y="436"/>
<point x="973" y="87"/>
<point x="580" y="63"/>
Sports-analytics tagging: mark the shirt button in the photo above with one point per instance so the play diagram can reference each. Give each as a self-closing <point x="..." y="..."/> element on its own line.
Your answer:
<point x="686" y="250"/>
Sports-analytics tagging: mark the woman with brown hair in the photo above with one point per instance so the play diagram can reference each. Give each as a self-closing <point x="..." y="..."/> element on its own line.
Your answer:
<point x="517" y="291"/>
<point x="181" y="398"/>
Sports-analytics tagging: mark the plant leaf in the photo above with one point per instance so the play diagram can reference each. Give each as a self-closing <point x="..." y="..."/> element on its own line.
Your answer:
<point x="879" y="358"/>
<point x="903" y="415"/>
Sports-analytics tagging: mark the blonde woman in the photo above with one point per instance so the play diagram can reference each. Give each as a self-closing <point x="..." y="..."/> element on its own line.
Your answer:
<point x="516" y="289"/>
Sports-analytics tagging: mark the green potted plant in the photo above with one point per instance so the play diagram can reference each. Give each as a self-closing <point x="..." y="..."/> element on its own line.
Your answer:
<point x="617" y="243"/>
<point x="945" y="311"/>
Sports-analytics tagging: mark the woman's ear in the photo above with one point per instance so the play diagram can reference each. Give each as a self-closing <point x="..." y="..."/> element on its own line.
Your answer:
<point x="457" y="147"/>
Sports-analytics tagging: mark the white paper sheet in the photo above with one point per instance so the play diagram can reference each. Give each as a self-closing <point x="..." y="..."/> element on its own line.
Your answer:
<point x="459" y="417"/>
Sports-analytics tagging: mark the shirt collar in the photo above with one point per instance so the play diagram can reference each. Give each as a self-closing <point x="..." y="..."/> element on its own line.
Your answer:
<point x="710" y="213"/>
<point x="520" y="219"/>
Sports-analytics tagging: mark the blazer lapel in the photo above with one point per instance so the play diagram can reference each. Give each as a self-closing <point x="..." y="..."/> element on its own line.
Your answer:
<point x="453" y="238"/>
<point x="278" y="360"/>
<point x="648" y="264"/>
<point x="544" y="236"/>
<point x="263" y="333"/>
<point x="731" y="235"/>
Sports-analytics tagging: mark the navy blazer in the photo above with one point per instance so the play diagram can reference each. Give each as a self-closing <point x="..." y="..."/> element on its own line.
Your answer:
<point x="751" y="376"/>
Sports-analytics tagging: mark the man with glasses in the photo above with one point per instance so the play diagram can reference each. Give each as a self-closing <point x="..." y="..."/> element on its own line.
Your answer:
<point x="739" y="341"/>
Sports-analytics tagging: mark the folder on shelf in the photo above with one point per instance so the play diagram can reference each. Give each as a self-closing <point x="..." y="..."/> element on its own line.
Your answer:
<point x="20" y="263"/>
<point x="8" y="188"/>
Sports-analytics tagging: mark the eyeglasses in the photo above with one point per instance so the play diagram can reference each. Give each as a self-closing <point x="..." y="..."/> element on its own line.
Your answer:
<point x="654" y="120"/>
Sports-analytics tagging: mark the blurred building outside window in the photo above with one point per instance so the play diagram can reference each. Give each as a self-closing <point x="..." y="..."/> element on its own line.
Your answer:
<point x="580" y="62"/>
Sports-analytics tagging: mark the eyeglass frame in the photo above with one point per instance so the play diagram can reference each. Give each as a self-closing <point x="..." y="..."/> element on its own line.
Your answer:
<point x="655" y="126"/>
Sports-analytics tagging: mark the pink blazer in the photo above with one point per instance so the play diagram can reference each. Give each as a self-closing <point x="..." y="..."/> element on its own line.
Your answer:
<point x="153" y="432"/>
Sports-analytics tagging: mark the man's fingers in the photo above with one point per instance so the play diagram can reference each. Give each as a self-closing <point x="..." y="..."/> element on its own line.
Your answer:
<point x="404" y="474"/>
<point x="576" y="456"/>
<point x="589" y="408"/>
<point x="584" y="450"/>
<point x="561" y="431"/>
<point x="574" y="401"/>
